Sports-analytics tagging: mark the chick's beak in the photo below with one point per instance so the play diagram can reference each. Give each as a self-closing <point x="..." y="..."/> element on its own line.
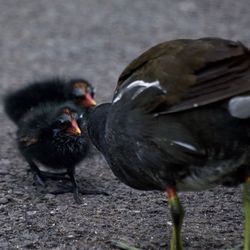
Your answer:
<point x="89" y="101"/>
<point x="74" y="128"/>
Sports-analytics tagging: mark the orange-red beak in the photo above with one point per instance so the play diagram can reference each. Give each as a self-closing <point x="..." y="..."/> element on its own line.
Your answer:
<point x="74" y="129"/>
<point x="89" y="101"/>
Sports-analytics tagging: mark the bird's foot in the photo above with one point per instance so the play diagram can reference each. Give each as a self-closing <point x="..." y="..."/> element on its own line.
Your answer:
<point x="122" y="245"/>
<point x="54" y="176"/>
<point x="37" y="175"/>
<point x="40" y="177"/>
<point x="237" y="247"/>
<point x="93" y="191"/>
<point x="77" y="191"/>
<point x="66" y="190"/>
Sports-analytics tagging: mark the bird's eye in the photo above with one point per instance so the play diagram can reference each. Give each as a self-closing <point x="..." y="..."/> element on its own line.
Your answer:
<point x="79" y="117"/>
<point x="61" y="121"/>
<point x="78" y="92"/>
<point x="92" y="91"/>
<point x="58" y="123"/>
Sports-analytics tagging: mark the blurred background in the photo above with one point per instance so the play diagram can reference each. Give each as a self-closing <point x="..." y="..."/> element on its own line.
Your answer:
<point x="96" y="39"/>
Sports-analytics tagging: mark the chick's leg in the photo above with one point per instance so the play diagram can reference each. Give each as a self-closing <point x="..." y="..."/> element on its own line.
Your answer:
<point x="71" y="174"/>
<point x="177" y="213"/>
<point x="39" y="176"/>
<point x="75" y="189"/>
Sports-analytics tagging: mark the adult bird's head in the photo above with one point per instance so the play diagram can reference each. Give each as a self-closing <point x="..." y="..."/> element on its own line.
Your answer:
<point x="82" y="92"/>
<point x="96" y="123"/>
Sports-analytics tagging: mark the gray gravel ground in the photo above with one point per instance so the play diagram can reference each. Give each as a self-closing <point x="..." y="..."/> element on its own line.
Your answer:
<point x="97" y="39"/>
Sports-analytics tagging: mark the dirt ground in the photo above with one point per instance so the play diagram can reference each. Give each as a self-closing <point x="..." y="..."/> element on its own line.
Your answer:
<point x="96" y="40"/>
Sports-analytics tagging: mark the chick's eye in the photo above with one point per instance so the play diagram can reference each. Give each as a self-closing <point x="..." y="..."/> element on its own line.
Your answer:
<point x="89" y="91"/>
<point x="79" y="117"/>
<point x="92" y="91"/>
<point x="61" y="121"/>
<point x="58" y="123"/>
<point x="78" y="92"/>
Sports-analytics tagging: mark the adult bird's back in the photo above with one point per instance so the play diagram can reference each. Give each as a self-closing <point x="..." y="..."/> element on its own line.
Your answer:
<point x="179" y="121"/>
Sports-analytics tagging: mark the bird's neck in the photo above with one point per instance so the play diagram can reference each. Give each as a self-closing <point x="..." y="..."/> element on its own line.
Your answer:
<point x="97" y="124"/>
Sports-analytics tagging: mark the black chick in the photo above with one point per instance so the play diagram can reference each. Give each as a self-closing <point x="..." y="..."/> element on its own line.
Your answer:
<point x="53" y="135"/>
<point x="78" y="90"/>
<point x="180" y="121"/>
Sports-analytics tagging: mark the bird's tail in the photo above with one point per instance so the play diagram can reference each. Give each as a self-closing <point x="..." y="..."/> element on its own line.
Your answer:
<point x="239" y="107"/>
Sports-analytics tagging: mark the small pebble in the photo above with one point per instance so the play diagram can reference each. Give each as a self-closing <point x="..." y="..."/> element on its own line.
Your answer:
<point x="52" y="212"/>
<point x="31" y="213"/>
<point x="4" y="245"/>
<point x="4" y="162"/>
<point x="18" y="192"/>
<point x="62" y="208"/>
<point x="3" y="171"/>
<point x="49" y="196"/>
<point x="3" y="200"/>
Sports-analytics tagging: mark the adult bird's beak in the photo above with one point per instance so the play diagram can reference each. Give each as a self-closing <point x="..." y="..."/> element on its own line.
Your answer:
<point x="89" y="101"/>
<point x="74" y="128"/>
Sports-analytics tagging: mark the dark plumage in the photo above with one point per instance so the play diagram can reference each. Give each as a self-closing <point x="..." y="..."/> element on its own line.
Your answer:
<point x="48" y="135"/>
<point x="180" y="121"/>
<point x="53" y="135"/>
<point x="21" y="101"/>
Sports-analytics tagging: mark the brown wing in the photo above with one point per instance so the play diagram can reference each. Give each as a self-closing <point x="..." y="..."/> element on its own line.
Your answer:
<point x="193" y="72"/>
<point x="27" y="141"/>
<point x="154" y="53"/>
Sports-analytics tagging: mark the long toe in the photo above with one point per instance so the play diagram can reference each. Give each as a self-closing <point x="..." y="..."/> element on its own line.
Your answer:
<point x="39" y="179"/>
<point x="237" y="247"/>
<point x="93" y="191"/>
<point x="55" y="176"/>
<point x="62" y="190"/>
<point x="65" y="190"/>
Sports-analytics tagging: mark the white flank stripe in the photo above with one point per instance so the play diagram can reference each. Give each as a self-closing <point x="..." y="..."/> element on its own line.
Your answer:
<point x="185" y="145"/>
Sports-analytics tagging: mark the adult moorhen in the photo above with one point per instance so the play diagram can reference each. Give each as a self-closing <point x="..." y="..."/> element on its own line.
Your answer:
<point x="179" y="121"/>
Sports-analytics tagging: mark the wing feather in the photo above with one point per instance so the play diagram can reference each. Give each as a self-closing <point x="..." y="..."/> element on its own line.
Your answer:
<point x="193" y="72"/>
